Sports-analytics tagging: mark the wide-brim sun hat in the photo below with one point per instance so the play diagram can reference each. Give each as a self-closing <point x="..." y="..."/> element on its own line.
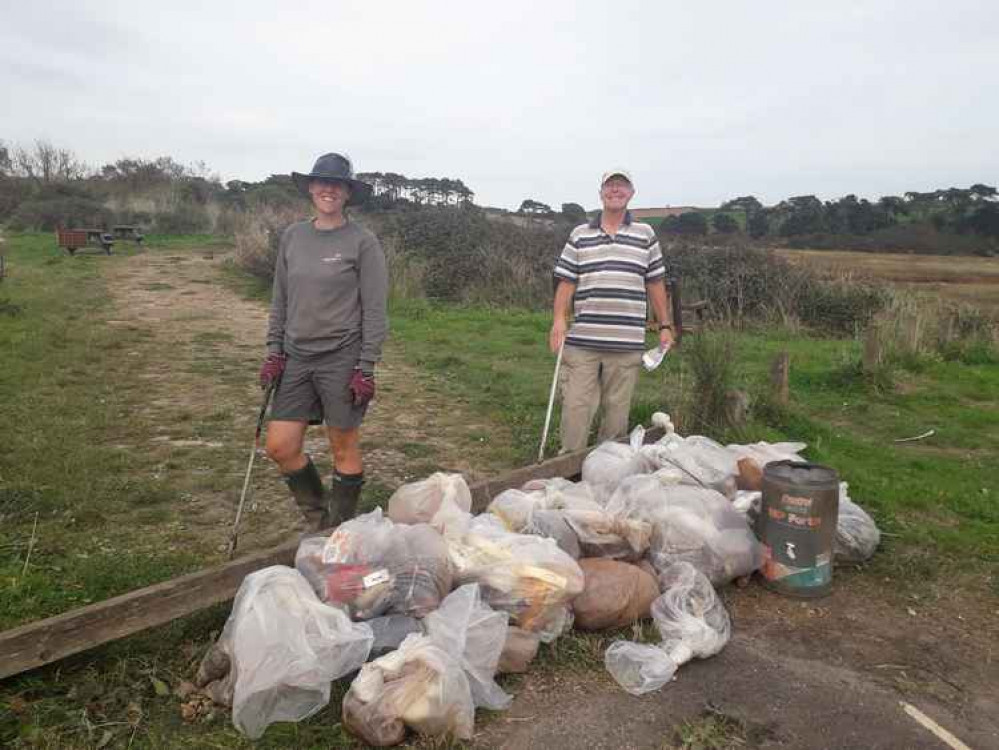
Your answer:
<point x="337" y="167"/>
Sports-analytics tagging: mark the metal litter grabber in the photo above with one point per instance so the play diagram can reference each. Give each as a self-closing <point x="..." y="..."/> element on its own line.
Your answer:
<point x="551" y="403"/>
<point x="234" y="536"/>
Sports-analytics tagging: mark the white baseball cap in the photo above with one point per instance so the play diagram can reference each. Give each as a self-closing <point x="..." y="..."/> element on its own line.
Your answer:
<point x="617" y="173"/>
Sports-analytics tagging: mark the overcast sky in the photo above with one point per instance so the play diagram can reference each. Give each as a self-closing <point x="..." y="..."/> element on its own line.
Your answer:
<point x="702" y="101"/>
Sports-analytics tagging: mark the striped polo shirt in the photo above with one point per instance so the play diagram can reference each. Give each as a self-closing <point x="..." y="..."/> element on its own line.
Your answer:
<point x="610" y="273"/>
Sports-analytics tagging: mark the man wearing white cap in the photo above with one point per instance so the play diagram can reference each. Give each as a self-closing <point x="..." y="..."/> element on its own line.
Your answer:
<point x="609" y="270"/>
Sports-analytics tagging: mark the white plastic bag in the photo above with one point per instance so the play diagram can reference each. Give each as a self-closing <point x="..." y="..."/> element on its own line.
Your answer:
<point x="610" y="462"/>
<point x="285" y="648"/>
<point x="692" y="524"/>
<point x="857" y="536"/>
<point x="374" y="567"/>
<point x="421" y="685"/>
<point x="527" y="576"/>
<point x="763" y="453"/>
<point x="441" y="500"/>
<point x="692" y="622"/>
<point x="700" y="460"/>
<point x="475" y="634"/>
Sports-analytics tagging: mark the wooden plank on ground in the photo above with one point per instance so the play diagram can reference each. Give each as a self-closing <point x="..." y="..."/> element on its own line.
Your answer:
<point x="45" y="641"/>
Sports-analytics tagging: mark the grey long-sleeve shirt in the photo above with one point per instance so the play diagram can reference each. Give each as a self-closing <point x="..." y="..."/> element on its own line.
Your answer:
<point x="330" y="289"/>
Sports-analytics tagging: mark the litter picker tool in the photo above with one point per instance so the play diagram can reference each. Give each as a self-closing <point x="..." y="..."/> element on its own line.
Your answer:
<point x="234" y="536"/>
<point x="551" y="403"/>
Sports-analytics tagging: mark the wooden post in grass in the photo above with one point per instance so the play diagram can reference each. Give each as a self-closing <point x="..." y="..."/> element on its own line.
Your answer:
<point x="872" y="350"/>
<point x="780" y="372"/>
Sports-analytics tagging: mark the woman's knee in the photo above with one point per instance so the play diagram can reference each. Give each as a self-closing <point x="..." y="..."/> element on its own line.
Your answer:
<point x="283" y="445"/>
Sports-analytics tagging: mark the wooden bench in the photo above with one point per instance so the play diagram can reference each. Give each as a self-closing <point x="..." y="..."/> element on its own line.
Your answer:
<point x="73" y="239"/>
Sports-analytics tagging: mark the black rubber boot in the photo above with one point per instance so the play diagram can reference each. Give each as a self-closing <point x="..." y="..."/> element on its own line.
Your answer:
<point x="345" y="491"/>
<point x="307" y="487"/>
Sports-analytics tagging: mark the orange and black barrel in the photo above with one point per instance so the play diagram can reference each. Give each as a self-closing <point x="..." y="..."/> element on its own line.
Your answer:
<point x="797" y="526"/>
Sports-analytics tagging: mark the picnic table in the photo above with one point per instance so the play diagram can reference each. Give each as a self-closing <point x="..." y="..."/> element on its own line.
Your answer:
<point x="128" y="232"/>
<point x="73" y="239"/>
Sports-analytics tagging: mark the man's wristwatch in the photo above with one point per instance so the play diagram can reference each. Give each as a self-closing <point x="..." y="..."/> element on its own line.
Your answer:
<point x="665" y="327"/>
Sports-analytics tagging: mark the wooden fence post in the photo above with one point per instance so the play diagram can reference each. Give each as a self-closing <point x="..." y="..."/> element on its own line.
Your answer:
<point x="872" y="350"/>
<point x="780" y="371"/>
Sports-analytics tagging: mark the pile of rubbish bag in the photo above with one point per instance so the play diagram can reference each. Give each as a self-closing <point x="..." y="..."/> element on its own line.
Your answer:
<point x="428" y="603"/>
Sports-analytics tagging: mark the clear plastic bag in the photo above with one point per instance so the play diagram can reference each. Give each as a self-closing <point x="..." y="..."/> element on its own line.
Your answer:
<point x="693" y="524"/>
<point x="526" y="576"/>
<point x="282" y="648"/>
<point x="555" y="525"/>
<point x="602" y="534"/>
<point x="374" y="567"/>
<point x="857" y="536"/>
<point x="421" y="685"/>
<point x="441" y="500"/>
<point x="390" y="631"/>
<point x="763" y="453"/>
<point x="610" y="462"/>
<point x="515" y="508"/>
<point x="475" y="634"/>
<point x="563" y="494"/>
<point x="700" y="460"/>
<point x="692" y="622"/>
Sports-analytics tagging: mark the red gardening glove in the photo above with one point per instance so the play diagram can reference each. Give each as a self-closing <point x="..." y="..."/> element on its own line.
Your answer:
<point x="270" y="371"/>
<point x="362" y="387"/>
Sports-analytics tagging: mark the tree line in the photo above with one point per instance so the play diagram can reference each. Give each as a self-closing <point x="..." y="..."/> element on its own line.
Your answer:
<point x="42" y="185"/>
<point x="972" y="210"/>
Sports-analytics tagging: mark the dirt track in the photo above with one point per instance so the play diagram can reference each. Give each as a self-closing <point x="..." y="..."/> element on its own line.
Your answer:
<point x="196" y="402"/>
<point x="830" y="673"/>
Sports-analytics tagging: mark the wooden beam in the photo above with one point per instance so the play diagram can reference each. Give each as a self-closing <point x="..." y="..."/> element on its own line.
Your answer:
<point x="45" y="641"/>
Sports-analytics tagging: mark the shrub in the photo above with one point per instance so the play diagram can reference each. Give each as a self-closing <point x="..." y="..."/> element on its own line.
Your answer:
<point x="257" y="236"/>
<point x="724" y="223"/>
<point x="462" y="255"/>
<point x="66" y="212"/>
<point x="742" y="283"/>
<point x="692" y="223"/>
<point x="183" y="219"/>
<point x="711" y="357"/>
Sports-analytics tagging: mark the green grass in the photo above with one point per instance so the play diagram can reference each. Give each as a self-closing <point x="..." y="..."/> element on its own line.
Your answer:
<point x="61" y="410"/>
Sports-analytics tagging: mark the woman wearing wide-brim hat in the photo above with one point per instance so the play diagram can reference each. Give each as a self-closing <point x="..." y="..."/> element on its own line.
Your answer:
<point x="326" y="330"/>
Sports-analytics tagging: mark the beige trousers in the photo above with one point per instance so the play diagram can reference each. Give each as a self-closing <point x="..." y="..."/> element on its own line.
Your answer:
<point x="590" y="379"/>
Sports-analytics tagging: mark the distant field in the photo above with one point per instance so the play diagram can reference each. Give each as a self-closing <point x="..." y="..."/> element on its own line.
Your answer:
<point x="961" y="278"/>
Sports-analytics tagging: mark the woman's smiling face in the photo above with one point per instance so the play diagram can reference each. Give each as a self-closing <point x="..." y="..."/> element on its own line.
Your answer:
<point x="329" y="197"/>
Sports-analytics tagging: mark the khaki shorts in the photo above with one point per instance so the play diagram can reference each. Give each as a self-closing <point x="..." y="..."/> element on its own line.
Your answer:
<point x="318" y="390"/>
